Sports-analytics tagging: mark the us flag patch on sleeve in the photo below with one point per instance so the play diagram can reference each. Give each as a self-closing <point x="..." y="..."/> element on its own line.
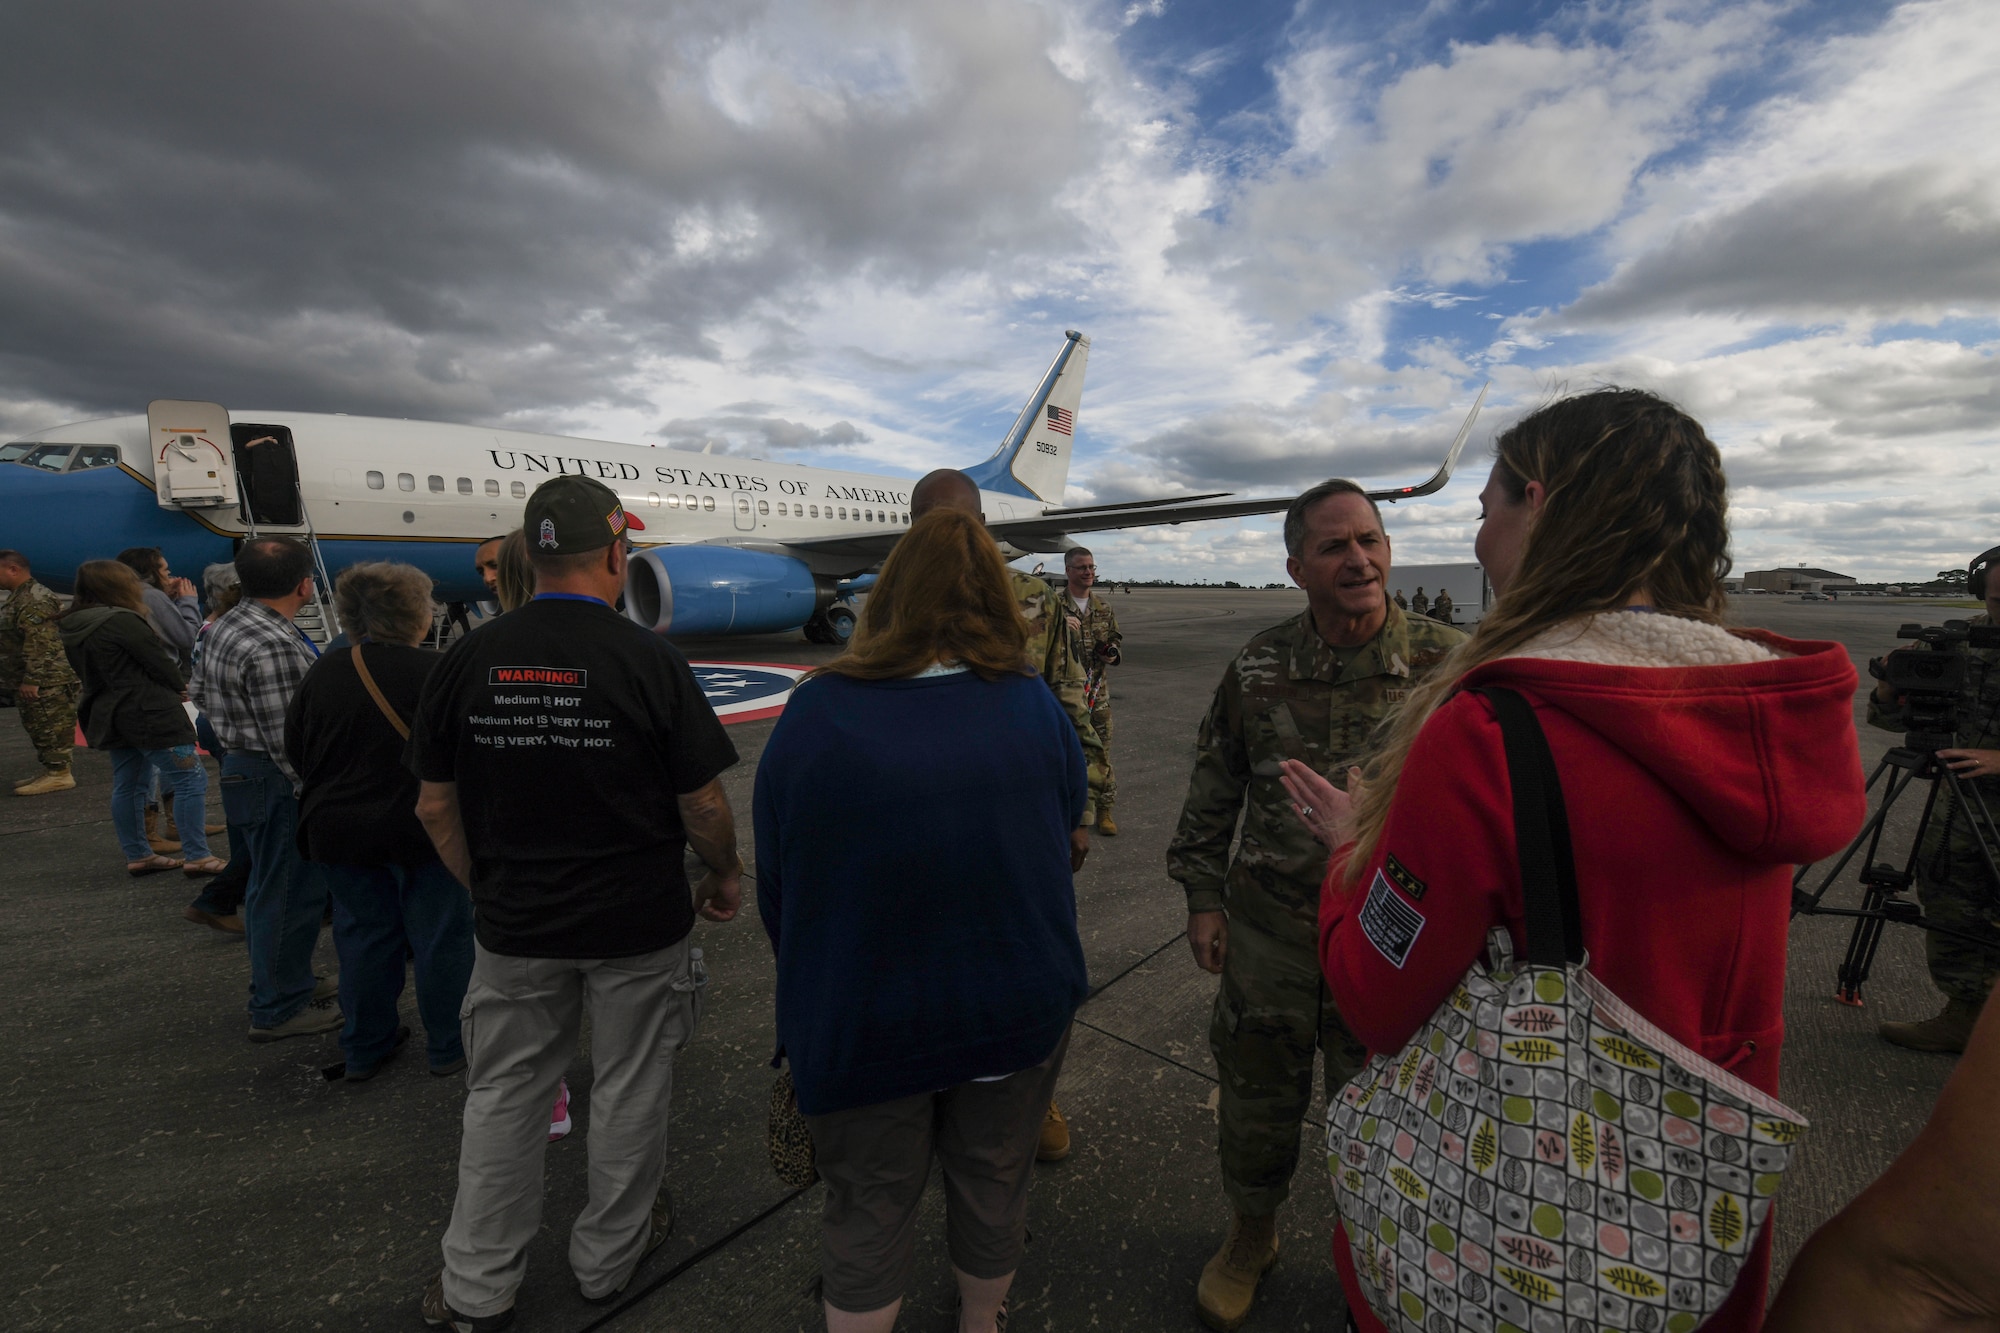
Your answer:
<point x="1390" y="924"/>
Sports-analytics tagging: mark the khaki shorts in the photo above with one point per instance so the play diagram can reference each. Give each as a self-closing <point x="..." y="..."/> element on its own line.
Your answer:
<point x="876" y="1159"/>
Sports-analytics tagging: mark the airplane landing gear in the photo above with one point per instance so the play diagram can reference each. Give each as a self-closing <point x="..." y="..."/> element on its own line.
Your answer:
<point x="833" y="626"/>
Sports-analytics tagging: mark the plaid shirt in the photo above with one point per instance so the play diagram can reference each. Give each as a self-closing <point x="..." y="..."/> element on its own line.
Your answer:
<point x="251" y="663"/>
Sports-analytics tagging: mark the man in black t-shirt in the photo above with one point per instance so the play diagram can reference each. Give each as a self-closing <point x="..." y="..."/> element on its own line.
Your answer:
<point x="568" y="759"/>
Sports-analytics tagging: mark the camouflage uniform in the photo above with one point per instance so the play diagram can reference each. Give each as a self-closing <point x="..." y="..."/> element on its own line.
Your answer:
<point x="1054" y="648"/>
<point x="31" y="653"/>
<point x="1288" y="695"/>
<point x="1952" y="882"/>
<point x="1441" y="607"/>
<point x="1097" y="630"/>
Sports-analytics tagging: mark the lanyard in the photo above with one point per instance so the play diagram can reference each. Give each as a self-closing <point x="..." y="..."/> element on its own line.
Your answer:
<point x="569" y="597"/>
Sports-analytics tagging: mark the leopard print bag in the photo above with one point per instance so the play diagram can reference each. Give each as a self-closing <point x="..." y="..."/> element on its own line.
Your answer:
<point x="787" y="1138"/>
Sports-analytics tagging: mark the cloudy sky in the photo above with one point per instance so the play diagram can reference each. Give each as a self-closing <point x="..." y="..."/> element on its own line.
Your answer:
<point x="850" y="233"/>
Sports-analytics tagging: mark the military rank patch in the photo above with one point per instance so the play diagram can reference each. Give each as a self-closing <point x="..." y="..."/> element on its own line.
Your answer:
<point x="1404" y="880"/>
<point x="1390" y="924"/>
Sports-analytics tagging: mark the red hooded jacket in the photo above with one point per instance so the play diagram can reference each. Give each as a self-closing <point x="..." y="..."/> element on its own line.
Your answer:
<point x="1691" y="792"/>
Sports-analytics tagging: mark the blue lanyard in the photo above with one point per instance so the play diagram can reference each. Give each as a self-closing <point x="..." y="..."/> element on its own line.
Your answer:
<point x="569" y="597"/>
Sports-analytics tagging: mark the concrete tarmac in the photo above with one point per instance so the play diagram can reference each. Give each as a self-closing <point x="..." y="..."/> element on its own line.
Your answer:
<point x="163" y="1172"/>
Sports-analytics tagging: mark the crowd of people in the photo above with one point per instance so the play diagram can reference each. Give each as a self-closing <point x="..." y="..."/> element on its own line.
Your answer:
<point x="519" y="816"/>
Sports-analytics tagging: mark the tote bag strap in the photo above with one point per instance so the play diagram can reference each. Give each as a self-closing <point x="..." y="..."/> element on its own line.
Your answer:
<point x="375" y="693"/>
<point x="1541" y="834"/>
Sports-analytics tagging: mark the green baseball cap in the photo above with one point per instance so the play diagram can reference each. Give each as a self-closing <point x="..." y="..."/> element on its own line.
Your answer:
<point x="571" y="515"/>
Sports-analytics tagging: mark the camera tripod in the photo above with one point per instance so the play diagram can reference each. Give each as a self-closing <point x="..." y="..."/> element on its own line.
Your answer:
<point x="1882" y="883"/>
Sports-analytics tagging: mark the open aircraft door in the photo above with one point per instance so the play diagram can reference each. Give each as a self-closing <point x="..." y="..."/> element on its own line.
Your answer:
<point x="193" y="457"/>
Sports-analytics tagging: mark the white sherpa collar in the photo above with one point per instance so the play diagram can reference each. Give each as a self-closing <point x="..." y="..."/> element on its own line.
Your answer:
<point x="1639" y="639"/>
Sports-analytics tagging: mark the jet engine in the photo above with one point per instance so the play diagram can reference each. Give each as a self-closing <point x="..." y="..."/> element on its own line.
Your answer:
<point x="696" y="589"/>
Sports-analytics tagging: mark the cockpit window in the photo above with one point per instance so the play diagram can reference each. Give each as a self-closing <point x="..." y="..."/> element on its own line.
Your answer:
<point x="49" y="457"/>
<point x="16" y="451"/>
<point x="95" y="455"/>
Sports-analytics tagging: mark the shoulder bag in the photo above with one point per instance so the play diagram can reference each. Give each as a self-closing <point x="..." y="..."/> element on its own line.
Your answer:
<point x="375" y="693"/>
<point x="1539" y="1156"/>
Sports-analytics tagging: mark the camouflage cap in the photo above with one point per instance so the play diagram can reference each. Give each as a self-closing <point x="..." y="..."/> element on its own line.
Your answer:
<point x="571" y="515"/>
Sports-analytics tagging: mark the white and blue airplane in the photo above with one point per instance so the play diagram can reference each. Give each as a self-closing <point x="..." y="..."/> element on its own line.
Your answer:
<point x="722" y="545"/>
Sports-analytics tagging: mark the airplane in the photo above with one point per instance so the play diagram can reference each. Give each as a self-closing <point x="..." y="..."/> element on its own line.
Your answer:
<point x="722" y="544"/>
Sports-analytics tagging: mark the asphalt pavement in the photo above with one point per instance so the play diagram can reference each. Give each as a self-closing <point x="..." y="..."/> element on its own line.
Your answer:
<point x="163" y="1172"/>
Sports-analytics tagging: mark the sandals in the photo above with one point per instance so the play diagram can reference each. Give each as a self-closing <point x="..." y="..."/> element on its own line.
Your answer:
<point x="152" y="865"/>
<point x="208" y="865"/>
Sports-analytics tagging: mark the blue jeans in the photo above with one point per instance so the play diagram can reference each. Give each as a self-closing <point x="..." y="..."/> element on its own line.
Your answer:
<point x="380" y="913"/>
<point x="286" y="895"/>
<point x="180" y="767"/>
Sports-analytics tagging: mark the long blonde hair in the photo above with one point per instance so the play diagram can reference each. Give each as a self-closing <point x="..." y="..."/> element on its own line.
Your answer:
<point x="1636" y="499"/>
<point x="943" y="595"/>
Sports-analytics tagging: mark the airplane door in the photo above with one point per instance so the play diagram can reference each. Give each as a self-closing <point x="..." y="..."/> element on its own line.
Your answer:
<point x="746" y="513"/>
<point x="192" y="467"/>
<point x="270" y="473"/>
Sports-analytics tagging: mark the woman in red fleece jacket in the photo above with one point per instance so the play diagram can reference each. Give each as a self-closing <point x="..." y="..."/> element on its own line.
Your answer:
<point x="1698" y="764"/>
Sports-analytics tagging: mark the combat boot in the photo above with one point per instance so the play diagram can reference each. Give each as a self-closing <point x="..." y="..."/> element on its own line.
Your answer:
<point x="56" y="779"/>
<point x="1229" y="1281"/>
<point x="1945" y="1034"/>
<point x="1104" y="824"/>
<point x="1053" y="1146"/>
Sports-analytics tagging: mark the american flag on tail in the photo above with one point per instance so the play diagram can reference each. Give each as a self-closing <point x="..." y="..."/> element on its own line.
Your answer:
<point x="1061" y="420"/>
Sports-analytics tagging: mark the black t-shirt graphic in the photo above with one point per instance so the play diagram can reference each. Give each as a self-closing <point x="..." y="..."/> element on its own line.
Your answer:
<point x="569" y="731"/>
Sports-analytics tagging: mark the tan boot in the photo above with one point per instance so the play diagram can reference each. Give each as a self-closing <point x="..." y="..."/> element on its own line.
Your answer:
<point x="1054" y="1144"/>
<point x="161" y="845"/>
<point x="56" y="779"/>
<point x="1229" y="1281"/>
<point x="1945" y="1034"/>
<point x="1104" y="824"/>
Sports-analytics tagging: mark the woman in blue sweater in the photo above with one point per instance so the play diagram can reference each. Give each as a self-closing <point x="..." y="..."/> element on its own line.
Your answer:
<point x="913" y="814"/>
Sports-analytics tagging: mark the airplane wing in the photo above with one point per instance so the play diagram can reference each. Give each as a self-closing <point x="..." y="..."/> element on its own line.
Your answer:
<point x="1044" y="531"/>
<point x="1047" y="531"/>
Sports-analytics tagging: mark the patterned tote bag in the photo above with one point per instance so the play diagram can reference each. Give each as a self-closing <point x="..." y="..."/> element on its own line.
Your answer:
<point x="1539" y="1158"/>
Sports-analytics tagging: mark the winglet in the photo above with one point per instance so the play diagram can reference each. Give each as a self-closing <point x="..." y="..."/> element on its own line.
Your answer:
<point x="1443" y="474"/>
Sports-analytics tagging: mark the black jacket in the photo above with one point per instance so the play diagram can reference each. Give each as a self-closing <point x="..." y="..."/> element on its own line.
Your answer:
<point x="357" y="802"/>
<point x="131" y="683"/>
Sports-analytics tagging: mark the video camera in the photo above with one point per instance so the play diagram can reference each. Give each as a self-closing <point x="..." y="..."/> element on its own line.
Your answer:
<point x="1935" y="680"/>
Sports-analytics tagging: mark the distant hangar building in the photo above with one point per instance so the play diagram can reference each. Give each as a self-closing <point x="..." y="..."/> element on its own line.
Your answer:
<point x="1796" y="578"/>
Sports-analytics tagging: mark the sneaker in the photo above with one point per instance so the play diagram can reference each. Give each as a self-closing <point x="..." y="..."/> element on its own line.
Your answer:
<point x="51" y="781"/>
<point x="662" y="1227"/>
<point x="230" y="923"/>
<point x="353" y="1075"/>
<point x="559" y="1122"/>
<point x="317" y="1016"/>
<point x="439" y="1315"/>
<point x="326" y="988"/>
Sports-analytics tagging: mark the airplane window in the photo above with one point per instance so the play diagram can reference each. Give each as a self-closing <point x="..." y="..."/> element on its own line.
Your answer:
<point x="405" y="482"/>
<point x="843" y="513"/>
<point x="519" y="489"/>
<point x="492" y="486"/>
<point x="94" y="455"/>
<point x="742" y="504"/>
<point x="708" y="503"/>
<point x="673" y="502"/>
<point x="437" y="484"/>
<point x="15" y="452"/>
<point x="763" y="506"/>
<point x="49" y="457"/>
<point x="375" y="481"/>
<point x="465" y="485"/>
<point x="653" y="499"/>
<point x="694" y="502"/>
<point x="815" y="511"/>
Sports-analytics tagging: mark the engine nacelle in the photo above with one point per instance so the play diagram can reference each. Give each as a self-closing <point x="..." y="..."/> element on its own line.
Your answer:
<point x="689" y="590"/>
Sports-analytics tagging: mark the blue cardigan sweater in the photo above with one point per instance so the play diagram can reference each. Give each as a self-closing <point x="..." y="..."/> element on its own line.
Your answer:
<point x="913" y="875"/>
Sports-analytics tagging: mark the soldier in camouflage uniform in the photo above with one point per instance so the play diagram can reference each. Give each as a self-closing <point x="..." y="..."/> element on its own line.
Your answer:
<point x="1952" y="880"/>
<point x="34" y="666"/>
<point x="1313" y="688"/>
<point x="1096" y="628"/>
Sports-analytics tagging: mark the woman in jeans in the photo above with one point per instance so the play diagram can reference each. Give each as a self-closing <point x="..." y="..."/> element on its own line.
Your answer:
<point x="1697" y="765"/>
<point x="392" y="897"/>
<point x="927" y="971"/>
<point x="132" y="708"/>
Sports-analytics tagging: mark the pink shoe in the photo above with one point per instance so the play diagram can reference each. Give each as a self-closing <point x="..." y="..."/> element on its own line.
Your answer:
<point x="559" y="1121"/>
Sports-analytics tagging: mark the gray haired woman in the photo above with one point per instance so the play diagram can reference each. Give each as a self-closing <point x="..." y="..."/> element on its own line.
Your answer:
<point x="344" y="735"/>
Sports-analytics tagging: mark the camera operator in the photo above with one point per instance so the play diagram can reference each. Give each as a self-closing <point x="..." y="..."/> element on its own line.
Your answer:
<point x="1953" y="884"/>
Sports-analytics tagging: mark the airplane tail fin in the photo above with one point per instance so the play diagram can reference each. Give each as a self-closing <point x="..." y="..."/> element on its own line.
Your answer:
<point x="1033" y="460"/>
